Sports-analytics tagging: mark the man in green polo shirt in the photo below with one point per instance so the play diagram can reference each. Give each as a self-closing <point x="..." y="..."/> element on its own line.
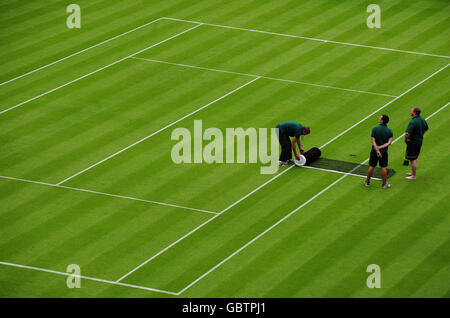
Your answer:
<point x="417" y="127"/>
<point x="381" y="139"/>
<point x="288" y="129"/>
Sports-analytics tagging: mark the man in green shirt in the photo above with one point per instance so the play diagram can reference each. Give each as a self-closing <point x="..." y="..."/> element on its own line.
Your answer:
<point x="381" y="139"/>
<point x="288" y="129"/>
<point x="417" y="127"/>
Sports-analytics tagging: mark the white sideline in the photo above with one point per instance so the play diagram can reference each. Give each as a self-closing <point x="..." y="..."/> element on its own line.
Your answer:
<point x="88" y="278"/>
<point x="108" y="194"/>
<point x="79" y="52"/>
<point x="309" y="38"/>
<point x="262" y="76"/>
<point x="201" y="225"/>
<point x="158" y="131"/>
<point x="385" y="105"/>
<point x="288" y="215"/>
<point x="97" y="70"/>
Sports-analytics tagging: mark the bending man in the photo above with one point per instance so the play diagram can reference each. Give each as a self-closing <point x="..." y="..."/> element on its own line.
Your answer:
<point x="288" y="129"/>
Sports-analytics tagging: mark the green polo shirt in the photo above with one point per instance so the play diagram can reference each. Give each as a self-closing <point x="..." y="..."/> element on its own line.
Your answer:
<point x="382" y="133"/>
<point x="291" y="128"/>
<point x="416" y="128"/>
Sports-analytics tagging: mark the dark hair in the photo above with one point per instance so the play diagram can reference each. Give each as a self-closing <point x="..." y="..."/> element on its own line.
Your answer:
<point x="416" y="111"/>
<point x="306" y="130"/>
<point x="385" y="119"/>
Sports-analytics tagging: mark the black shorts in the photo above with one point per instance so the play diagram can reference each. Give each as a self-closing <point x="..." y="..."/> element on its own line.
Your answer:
<point x="374" y="159"/>
<point x="413" y="150"/>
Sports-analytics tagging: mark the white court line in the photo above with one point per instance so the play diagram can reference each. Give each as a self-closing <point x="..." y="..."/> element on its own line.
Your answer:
<point x="220" y="213"/>
<point x="385" y="105"/>
<point x="340" y="172"/>
<point x="309" y="38"/>
<point x="288" y="215"/>
<point x="108" y="194"/>
<point x="158" y="131"/>
<point x="79" y="52"/>
<point x="88" y="278"/>
<point x="262" y="76"/>
<point x="97" y="70"/>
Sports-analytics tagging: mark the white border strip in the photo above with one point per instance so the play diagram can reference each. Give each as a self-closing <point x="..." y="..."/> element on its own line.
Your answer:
<point x="312" y="39"/>
<point x="79" y="52"/>
<point x="287" y="216"/>
<point x="156" y="132"/>
<point x="97" y="70"/>
<point x="88" y="278"/>
<point x="108" y="194"/>
<point x="262" y="76"/>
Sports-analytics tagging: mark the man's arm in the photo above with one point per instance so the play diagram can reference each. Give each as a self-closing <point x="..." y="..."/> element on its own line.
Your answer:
<point x="375" y="146"/>
<point x="296" y="142"/>
<point x="407" y="137"/>
<point x="386" y="144"/>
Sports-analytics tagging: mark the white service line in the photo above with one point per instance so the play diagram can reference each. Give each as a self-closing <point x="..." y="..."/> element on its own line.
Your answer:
<point x="156" y="132"/>
<point x="384" y="106"/>
<point x="309" y="38"/>
<point x="220" y="213"/>
<point x="87" y="277"/>
<point x="262" y="76"/>
<point x="287" y="216"/>
<point x="108" y="194"/>
<point x="97" y="70"/>
<point x="79" y="52"/>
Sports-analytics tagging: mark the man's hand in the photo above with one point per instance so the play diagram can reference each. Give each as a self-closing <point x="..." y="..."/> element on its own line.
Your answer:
<point x="378" y="153"/>
<point x="297" y="156"/>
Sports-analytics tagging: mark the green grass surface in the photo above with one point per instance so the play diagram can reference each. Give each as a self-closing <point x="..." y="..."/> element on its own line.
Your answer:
<point x="321" y="250"/>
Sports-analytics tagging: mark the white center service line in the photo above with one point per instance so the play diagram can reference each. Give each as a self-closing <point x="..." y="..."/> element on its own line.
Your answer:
<point x="265" y="77"/>
<point x="158" y="131"/>
<point x="97" y="70"/>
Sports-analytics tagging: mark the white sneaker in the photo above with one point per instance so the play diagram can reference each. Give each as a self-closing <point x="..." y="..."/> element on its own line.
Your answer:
<point x="385" y="186"/>
<point x="367" y="184"/>
<point x="411" y="177"/>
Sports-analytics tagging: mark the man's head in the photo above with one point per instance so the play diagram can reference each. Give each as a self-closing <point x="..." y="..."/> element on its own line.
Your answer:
<point x="384" y="119"/>
<point x="306" y="130"/>
<point x="415" y="112"/>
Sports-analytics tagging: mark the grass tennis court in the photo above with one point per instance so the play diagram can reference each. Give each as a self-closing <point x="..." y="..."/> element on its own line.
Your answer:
<point x="86" y="175"/>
